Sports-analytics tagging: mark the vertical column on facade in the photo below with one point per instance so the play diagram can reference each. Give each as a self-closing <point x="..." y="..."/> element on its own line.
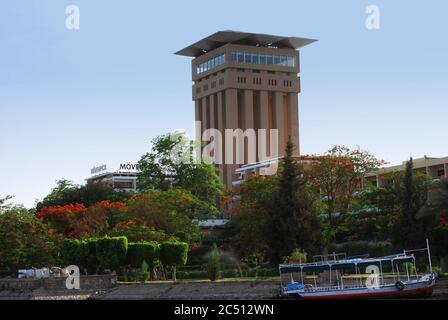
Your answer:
<point x="279" y="121"/>
<point x="293" y="116"/>
<point x="264" y="118"/>
<point x="231" y="113"/>
<point x="220" y="127"/>
<point x="249" y="123"/>
<point x="205" y="118"/>
<point x="212" y="112"/>
<point x="211" y="115"/>
<point x="197" y="113"/>
<point x="445" y="170"/>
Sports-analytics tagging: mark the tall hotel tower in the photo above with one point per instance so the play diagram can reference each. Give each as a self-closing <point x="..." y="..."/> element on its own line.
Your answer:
<point x="247" y="81"/>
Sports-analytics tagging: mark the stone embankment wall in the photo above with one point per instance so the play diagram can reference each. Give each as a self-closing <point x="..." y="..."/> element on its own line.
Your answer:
<point x="98" y="282"/>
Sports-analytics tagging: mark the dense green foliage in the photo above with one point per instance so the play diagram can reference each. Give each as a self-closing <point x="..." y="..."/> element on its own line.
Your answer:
<point x="407" y="231"/>
<point x="142" y="251"/>
<point x="25" y="242"/>
<point x="81" y="253"/>
<point x="66" y="192"/>
<point x="173" y="254"/>
<point x="169" y="164"/>
<point x="169" y="211"/>
<point x="111" y="252"/>
<point x="75" y="252"/>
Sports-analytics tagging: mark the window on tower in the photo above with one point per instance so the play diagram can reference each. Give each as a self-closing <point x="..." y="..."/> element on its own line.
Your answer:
<point x="211" y="64"/>
<point x="262" y="59"/>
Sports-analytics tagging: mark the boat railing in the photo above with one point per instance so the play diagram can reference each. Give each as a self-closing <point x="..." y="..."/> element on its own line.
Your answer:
<point x="350" y="260"/>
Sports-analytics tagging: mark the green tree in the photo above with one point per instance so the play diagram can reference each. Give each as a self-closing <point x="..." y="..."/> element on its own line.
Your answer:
<point x="66" y="192"/>
<point x="26" y="242"/>
<point x="214" y="264"/>
<point x="436" y="209"/>
<point x="249" y="214"/>
<point x="171" y="211"/>
<point x="140" y="252"/>
<point x="437" y="202"/>
<point x="337" y="174"/>
<point x="292" y="217"/>
<point x="138" y="231"/>
<point x="407" y="231"/>
<point x="173" y="254"/>
<point x="169" y="164"/>
<point x="3" y="203"/>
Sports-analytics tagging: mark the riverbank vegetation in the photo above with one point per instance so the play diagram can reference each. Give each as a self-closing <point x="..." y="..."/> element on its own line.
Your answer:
<point x="308" y="208"/>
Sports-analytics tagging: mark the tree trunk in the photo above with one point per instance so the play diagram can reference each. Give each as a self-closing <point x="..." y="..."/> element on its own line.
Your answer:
<point x="152" y="272"/>
<point x="174" y="273"/>
<point x="125" y="274"/>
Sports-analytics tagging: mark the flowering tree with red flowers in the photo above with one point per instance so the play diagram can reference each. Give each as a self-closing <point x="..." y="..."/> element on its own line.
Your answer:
<point x="63" y="218"/>
<point x="337" y="174"/>
<point x="104" y="215"/>
<point x="76" y="220"/>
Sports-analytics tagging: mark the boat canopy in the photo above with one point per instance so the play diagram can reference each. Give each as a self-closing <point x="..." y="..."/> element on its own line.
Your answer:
<point x="344" y="264"/>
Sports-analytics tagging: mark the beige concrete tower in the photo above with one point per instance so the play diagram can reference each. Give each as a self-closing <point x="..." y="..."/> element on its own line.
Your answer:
<point x="247" y="81"/>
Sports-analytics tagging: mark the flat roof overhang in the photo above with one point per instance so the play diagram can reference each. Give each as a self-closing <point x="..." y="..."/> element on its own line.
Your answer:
<point x="222" y="38"/>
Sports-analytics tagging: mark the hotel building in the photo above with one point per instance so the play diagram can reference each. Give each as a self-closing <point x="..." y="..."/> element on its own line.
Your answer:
<point x="437" y="168"/>
<point x="247" y="81"/>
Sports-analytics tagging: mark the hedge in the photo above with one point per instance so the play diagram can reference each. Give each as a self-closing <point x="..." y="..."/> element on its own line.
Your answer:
<point x="142" y="251"/>
<point x="173" y="253"/>
<point x="92" y="261"/>
<point x="111" y="252"/>
<point x="75" y="252"/>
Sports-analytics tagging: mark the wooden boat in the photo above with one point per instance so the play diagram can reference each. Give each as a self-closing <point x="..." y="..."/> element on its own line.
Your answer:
<point x="338" y="277"/>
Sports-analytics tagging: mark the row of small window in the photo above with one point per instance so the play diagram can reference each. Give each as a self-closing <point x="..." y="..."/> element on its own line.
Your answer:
<point x="266" y="59"/>
<point x="211" y="64"/>
<point x="213" y="85"/>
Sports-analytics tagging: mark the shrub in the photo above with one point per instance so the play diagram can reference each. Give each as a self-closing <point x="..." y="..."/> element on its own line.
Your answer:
<point x="142" y="251"/>
<point x="214" y="264"/>
<point x="173" y="254"/>
<point x="144" y="274"/>
<point x="297" y="256"/>
<point x="111" y="252"/>
<point x="75" y="252"/>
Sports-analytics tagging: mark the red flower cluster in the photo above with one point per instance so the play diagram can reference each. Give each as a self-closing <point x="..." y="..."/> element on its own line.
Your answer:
<point x="109" y="205"/>
<point x="74" y="209"/>
<point x="76" y="220"/>
<point x="443" y="222"/>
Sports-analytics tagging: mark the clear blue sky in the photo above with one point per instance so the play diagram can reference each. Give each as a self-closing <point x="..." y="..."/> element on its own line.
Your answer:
<point x="70" y="100"/>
